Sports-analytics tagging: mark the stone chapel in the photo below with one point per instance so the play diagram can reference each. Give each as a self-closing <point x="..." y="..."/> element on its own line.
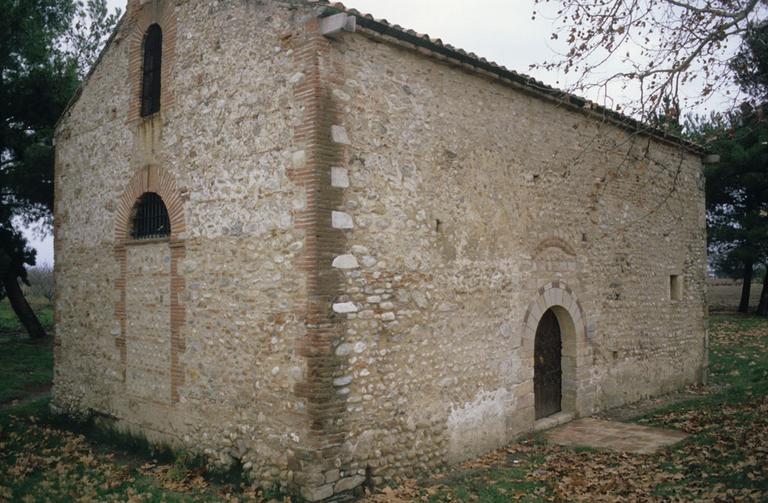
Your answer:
<point x="334" y="251"/>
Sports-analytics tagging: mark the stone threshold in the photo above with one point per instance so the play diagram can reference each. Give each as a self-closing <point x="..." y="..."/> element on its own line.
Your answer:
<point x="549" y="422"/>
<point x="615" y="436"/>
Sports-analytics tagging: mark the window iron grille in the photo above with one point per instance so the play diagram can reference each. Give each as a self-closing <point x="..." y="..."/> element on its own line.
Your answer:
<point x="150" y="218"/>
<point x="150" y="84"/>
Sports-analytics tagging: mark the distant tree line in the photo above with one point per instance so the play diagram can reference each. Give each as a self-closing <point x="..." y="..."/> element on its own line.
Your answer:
<point x="40" y="280"/>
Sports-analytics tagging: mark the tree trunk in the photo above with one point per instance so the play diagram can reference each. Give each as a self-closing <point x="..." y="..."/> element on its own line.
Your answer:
<point x="762" y="307"/>
<point x="746" y="287"/>
<point x="22" y="309"/>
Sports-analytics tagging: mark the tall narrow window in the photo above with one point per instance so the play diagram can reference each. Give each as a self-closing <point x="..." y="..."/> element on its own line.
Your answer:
<point x="150" y="218"/>
<point x="150" y="84"/>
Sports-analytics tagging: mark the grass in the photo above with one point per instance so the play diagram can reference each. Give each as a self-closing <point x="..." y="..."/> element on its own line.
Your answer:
<point x="728" y="447"/>
<point x="493" y="485"/>
<point x="26" y="368"/>
<point x="48" y="458"/>
<point x="9" y="323"/>
<point x="738" y="365"/>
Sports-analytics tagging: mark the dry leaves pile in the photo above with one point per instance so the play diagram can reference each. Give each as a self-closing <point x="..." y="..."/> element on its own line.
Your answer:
<point x="59" y="463"/>
<point x="39" y="462"/>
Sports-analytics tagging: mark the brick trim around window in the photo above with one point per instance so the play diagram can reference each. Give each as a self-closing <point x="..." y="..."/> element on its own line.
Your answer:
<point x="152" y="178"/>
<point x="139" y="18"/>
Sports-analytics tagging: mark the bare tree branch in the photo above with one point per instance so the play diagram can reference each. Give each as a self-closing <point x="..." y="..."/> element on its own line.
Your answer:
<point x="674" y="52"/>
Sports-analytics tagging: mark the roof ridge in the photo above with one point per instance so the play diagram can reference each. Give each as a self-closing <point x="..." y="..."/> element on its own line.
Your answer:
<point x="384" y="27"/>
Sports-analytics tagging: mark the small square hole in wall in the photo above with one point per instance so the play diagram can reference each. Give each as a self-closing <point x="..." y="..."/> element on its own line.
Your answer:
<point x="676" y="287"/>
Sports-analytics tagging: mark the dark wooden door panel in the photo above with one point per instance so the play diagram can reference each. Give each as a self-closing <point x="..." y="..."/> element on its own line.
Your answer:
<point x="547" y="372"/>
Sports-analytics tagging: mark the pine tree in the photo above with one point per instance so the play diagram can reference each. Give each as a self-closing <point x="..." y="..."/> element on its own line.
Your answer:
<point x="737" y="193"/>
<point x="46" y="47"/>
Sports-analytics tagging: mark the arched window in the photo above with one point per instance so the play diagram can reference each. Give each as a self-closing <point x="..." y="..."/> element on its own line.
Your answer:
<point x="150" y="218"/>
<point x="150" y="84"/>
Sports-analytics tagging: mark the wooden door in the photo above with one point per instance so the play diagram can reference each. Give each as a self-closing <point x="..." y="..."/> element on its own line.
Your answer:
<point x="547" y="371"/>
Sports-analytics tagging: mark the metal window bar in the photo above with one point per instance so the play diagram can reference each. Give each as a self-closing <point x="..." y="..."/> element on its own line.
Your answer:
<point x="150" y="220"/>
<point x="150" y="85"/>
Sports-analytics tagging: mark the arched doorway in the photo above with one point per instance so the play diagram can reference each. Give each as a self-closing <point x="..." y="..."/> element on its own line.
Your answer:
<point x="547" y="366"/>
<point x="557" y="312"/>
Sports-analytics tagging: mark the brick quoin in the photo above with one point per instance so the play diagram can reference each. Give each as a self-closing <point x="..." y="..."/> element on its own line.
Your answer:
<point x="325" y="408"/>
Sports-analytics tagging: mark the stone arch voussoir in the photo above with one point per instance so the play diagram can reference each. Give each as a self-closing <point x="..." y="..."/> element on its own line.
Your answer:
<point x="554" y="241"/>
<point x="561" y="299"/>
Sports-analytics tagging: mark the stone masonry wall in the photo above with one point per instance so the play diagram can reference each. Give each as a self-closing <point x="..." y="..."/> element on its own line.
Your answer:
<point x="190" y="341"/>
<point x="474" y="207"/>
<point x="363" y="240"/>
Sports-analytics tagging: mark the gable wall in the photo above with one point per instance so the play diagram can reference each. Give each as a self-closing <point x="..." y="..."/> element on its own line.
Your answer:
<point x="221" y="381"/>
<point x="470" y="202"/>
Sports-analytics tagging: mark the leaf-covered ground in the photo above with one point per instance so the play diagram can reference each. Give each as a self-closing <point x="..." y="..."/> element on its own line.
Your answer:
<point x="44" y="460"/>
<point x="724" y="459"/>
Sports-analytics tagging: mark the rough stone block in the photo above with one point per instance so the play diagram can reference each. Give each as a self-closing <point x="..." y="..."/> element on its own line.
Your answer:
<point x="345" y="307"/>
<point x="332" y="475"/>
<point x="332" y="26"/>
<point x="339" y="135"/>
<point x="339" y="177"/>
<point x="344" y="349"/>
<point x="341" y="95"/>
<point x="342" y="381"/>
<point x="345" y="262"/>
<point x="348" y="483"/>
<point x="299" y="159"/>
<point x="317" y="493"/>
<point x="524" y="388"/>
<point x="341" y="220"/>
